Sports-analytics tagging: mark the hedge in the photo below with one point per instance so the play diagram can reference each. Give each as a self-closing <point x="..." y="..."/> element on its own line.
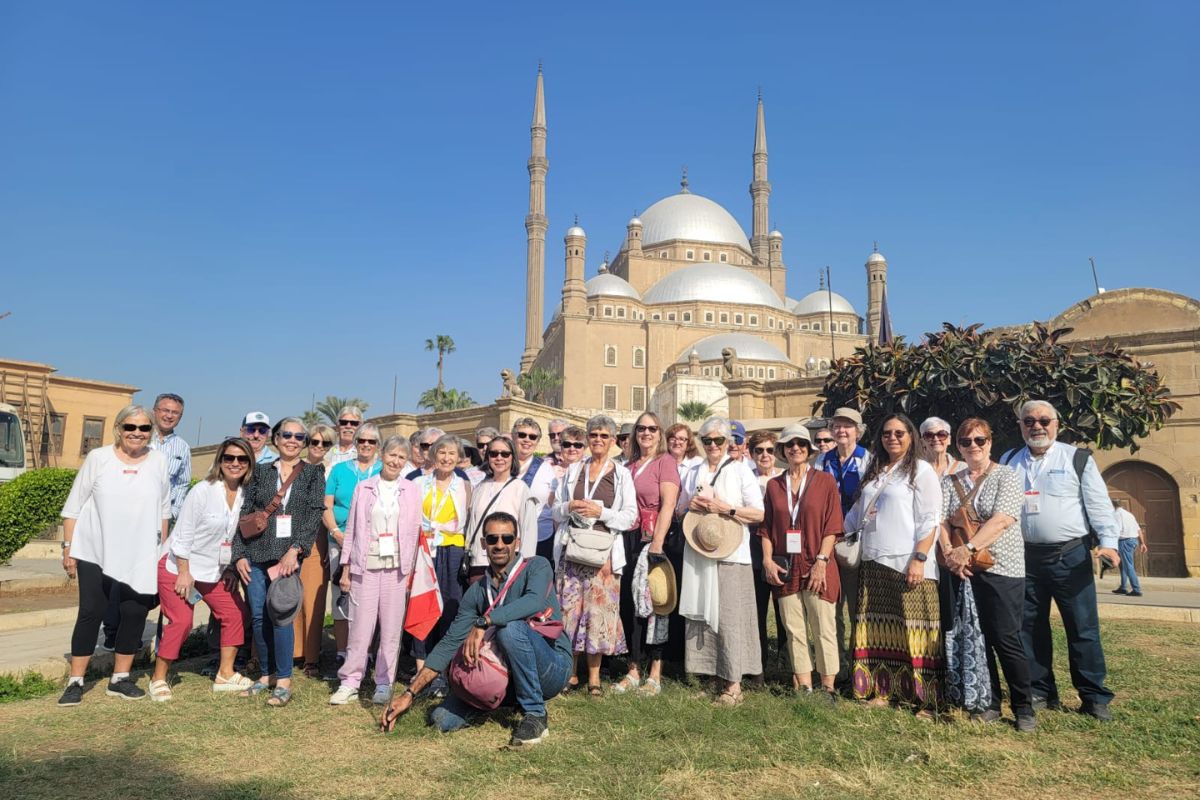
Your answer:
<point x="30" y="504"/>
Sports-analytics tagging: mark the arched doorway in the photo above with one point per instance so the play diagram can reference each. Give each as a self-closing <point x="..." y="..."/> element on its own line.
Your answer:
<point x="1153" y="497"/>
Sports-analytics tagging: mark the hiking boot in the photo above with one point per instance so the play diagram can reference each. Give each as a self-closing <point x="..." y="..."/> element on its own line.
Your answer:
<point x="72" y="696"/>
<point x="1026" y="723"/>
<point x="125" y="688"/>
<point x="531" y="730"/>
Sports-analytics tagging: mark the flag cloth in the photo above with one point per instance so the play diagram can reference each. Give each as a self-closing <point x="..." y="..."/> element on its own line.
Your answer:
<point x="885" y="321"/>
<point x="424" y="596"/>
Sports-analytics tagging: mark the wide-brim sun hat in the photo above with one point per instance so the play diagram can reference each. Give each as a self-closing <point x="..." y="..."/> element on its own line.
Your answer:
<point x="797" y="430"/>
<point x="714" y="536"/>
<point x="663" y="596"/>
<point x="845" y="412"/>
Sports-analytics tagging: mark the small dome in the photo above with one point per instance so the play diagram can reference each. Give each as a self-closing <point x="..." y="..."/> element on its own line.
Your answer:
<point x="693" y="217"/>
<point x="575" y="230"/>
<point x="774" y="235"/>
<point x="876" y="258"/>
<point x="635" y="221"/>
<point x="607" y="284"/>
<point x="818" y="302"/>
<point x="714" y="283"/>
<point x="748" y="347"/>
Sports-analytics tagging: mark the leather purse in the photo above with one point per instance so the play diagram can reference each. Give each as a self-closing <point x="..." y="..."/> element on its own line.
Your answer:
<point x="251" y="526"/>
<point x="964" y="524"/>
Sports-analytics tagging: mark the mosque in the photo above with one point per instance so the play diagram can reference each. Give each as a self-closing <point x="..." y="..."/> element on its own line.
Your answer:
<point x="688" y="300"/>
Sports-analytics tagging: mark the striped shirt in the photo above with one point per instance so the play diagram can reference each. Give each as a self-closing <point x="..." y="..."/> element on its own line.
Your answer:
<point x="179" y="466"/>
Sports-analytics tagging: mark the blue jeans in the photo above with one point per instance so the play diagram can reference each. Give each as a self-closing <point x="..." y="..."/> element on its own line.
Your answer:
<point x="536" y="672"/>
<point x="1067" y="579"/>
<point x="1126" y="549"/>
<point x="274" y="654"/>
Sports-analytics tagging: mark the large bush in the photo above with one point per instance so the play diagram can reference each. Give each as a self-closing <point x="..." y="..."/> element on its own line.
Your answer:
<point x="30" y="504"/>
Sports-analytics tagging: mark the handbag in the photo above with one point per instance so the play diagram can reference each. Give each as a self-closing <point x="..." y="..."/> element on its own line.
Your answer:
<point x="964" y="524"/>
<point x="251" y="526"/>
<point x="647" y="521"/>
<point x="848" y="549"/>
<point x="588" y="547"/>
<point x="484" y="683"/>
<point x="464" y="566"/>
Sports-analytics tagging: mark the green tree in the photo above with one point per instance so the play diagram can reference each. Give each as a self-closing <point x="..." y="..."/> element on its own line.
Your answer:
<point x="444" y="400"/>
<point x="537" y="382"/>
<point x="694" y="411"/>
<point x="443" y="345"/>
<point x="310" y="418"/>
<point x="331" y="405"/>
<point x="1104" y="397"/>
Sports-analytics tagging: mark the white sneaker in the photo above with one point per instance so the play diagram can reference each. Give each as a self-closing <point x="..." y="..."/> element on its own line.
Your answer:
<point x="343" y="695"/>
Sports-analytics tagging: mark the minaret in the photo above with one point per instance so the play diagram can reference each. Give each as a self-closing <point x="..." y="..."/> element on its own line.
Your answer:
<point x="760" y="189"/>
<point x="633" y="237"/>
<point x="535" y="229"/>
<point x="877" y="267"/>
<point x="574" y="289"/>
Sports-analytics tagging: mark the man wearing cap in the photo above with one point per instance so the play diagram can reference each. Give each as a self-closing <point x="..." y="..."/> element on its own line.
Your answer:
<point x="737" y="443"/>
<point x="625" y="442"/>
<point x="256" y="429"/>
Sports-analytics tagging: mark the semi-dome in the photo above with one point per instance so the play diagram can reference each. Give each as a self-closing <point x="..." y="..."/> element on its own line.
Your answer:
<point x="608" y="285"/>
<point x="747" y="346"/>
<point x="714" y="283"/>
<point x="819" y="302"/>
<point x="693" y="217"/>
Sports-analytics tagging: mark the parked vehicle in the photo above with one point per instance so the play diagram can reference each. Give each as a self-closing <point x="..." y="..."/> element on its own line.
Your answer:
<point x="12" y="444"/>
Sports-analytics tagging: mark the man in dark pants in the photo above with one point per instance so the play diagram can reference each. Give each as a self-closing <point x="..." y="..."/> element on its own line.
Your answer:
<point x="1059" y="507"/>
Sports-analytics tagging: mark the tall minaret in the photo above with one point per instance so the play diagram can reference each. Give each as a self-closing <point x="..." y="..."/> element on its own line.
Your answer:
<point x="760" y="190"/>
<point x="574" y="289"/>
<point x="877" y="267"/>
<point x="535" y="229"/>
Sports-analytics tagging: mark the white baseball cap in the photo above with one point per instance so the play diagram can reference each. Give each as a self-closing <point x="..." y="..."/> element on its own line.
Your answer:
<point x="256" y="418"/>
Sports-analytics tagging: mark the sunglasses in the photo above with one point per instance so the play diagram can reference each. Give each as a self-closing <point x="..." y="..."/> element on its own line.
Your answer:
<point x="425" y="445"/>
<point x="129" y="427"/>
<point x="893" y="434"/>
<point x="260" y="430"/>
<point x="763" y="451"/>
<point x="708" y="441"/>
<point x="796" y="443"/>
<point x="554" y="436"/>
<point x="319" y="443"/>
<point x="573" y="445"/>
<point x="499" y="454"/>
<point x="966" y="441"/>
<point x="598" y="435"/>
<point x="482" y="445"/>
<point x="645" y="429"/>
<point x="349" y="423"/>
<point x="230" y="458"/>
<point x="494" y="539"/>
<point x="374" y="441"/>
<point x="823" y="440"/>
<point x="299" y="437"/>
<point x="939" y="435"/>
<point x="1029" y="422"/>
<point x="528" y="435"/>
<point x="622" y="437"/>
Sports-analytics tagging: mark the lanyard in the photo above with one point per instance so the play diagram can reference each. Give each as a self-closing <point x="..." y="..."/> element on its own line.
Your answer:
<point x="589" y="489"/>
<point x="436" y="511"/>
<point x="795" y="509"/>
<point x="513" y="571"/>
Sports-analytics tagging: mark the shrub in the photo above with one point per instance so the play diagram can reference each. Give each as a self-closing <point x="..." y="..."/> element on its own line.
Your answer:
<point x="25" y="687"/>
<point x="30" y="504"/>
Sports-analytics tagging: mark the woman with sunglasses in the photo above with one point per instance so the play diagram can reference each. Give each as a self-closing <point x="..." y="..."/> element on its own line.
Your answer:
<point x="340" y="484"/>
<point x="935" y="447"/>
<point x="277" y="551"/>
<point x="656" y="488"/>
<point x="596" y="493"/>
<point x="501" y="490"/>
<point x="348" y="420"/>
<point x="199" y="551"/>
<point x="997" y="594"/>
<point x="120" y="494"/>
<point x="377" y="560"/>
<point x="897" y="643"/>
<point x="309" y="622"/>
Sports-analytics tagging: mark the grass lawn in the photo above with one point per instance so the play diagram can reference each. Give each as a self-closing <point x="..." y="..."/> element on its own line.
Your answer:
<point x="677" y="745"/>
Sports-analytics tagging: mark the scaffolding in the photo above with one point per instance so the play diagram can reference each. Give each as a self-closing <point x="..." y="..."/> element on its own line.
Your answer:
<point x="29" y="393"/>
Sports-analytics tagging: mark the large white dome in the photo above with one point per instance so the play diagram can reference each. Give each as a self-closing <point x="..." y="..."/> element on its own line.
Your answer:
<point x="819" y="302"/>
<point x="714" y="283"/>
<point x="747" y="346"/>
<point x="609" y="285"/>
<point x="690" y="216"/>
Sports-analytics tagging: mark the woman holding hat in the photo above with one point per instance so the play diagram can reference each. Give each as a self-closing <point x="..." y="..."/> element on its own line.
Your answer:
<point x="717" y="597"/>
<point x="802" y="518"/>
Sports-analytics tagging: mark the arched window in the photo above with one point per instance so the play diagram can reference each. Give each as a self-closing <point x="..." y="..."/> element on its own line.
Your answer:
<point x="639" y="357"/>
<point x="610" y="356"/>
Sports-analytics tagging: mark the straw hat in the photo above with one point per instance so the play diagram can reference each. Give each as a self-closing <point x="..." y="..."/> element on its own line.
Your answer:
<point x="661" y="578"/>
<point x="712" y="535"/>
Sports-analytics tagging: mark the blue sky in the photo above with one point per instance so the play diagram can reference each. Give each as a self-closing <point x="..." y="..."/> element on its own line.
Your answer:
<point x="253" y="204"/>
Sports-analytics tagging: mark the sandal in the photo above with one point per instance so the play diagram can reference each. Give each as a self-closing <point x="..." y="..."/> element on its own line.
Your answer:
<point x="160" y="691"/>
<point x="925" y="715"/>
<point x="628" y="683"/>
<point x="649" y="688"/>
<point x="236" y="682"/>
<point x="256" y="688"/>
<point x="595" y="690"/>
<point x="570" y="686"/>
<point x="728" y="699"/>
<point x="280" y="697"/>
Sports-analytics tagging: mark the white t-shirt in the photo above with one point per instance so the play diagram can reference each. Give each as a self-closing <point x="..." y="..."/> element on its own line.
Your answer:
<point x="1128" y="523"/>
<point x="120" y="528"/>
<point x="205" y="521"/>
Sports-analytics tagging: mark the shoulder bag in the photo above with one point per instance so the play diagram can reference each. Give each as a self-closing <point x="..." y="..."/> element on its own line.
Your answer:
<point x="584" y="544"/>
<point x="964" y="524"/>
<point x="848" y="549"/>
<point x="251" y="526"/>
<point x="483" y="683"/>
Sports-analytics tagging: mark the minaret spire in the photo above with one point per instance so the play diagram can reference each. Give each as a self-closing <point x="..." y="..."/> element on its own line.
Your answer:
<point x="760" y="188"/>
<point x="535" y="228"/>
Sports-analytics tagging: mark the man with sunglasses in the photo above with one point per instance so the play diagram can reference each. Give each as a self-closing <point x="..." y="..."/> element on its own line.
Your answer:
<point x="823" y="441"/>
<point x="1063" y="504"/>
<point x="348" y="420"/>
<point x="256" y="429"/>
<point x="517" y="601"/>
<point x="737" y="442"/>
<point x="625" y="442"/>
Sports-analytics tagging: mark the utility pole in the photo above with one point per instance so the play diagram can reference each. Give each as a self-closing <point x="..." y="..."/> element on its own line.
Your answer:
<point x="1095" y="280"/>
<point x="829" y="288"/>
<point x="395" y="381"/>
<point x="199" y="426"/>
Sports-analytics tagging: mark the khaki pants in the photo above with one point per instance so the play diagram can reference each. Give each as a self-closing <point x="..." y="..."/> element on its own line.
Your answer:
<point x="309" y="622"/>
<point x="806" y="608"/>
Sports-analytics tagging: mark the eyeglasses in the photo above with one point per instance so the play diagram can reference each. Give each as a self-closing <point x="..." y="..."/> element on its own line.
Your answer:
<point x="499" y="454"/>
<point x="129" y="427"/>
<point x="554" y="436"/>
<point x="349" y="423"/>
<point x="645" y="429"/>
<point x="763" y="451"/>
<point x="796" y="443"/>
<point x="528" y="435"/>
<point x="257" y="430"/>
<point x="493" y="539"/>
<point x="371" y="442"/>
<point x="1029" y="422"/>
<point x="708" y="441"/>
<point x="893" y="434"/>
<point x="230" y="458"/>
<point x="425" y="445"/>
<point x="679" y="439"/>
<point x="823" y="440"/>
<point x="939" y="435"/>
<point x="319" y="443"/>
<point x="299" y="437"/>
<point x="573" y="445"/>
<point x="966" y="441"/>
<point x="598" y="435"/>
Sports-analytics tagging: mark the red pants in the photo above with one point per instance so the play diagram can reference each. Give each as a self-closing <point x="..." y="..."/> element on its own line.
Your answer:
<point x="229" y="609"/>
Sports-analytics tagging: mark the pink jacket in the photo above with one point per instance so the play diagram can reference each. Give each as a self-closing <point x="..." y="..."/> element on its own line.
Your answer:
<point x="358" y="524"/>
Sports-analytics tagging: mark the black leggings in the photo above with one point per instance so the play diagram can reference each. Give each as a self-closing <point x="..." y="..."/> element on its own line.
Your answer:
<point x="633" y="625"/>
<point x="94" y="589"/>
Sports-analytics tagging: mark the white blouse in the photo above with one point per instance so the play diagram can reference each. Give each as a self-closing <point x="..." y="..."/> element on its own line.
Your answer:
<point x="515" y="500"/>
<point x="904" y="514"/>
<point x="737" y="486"/>
<point x="205" y="521"/>
<point x="120" y="509"/>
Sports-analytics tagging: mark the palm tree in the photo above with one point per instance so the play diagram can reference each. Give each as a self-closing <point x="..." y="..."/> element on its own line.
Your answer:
<point x="331" y="405"/>
<point x="693" y="411"/>
<point x="442" y="344"/>
<point x="537" y="382"/>
<point x="310" y="418"/>
<point x="444" y="399"/>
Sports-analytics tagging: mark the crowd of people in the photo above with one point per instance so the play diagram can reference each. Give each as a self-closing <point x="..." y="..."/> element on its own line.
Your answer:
<point x="910" y="568"/>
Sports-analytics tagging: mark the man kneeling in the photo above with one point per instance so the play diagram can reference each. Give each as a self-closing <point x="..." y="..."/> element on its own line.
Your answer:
<point x="522" y="591"/>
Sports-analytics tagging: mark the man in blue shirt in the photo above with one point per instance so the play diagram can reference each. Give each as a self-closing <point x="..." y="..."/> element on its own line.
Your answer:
<point x="538" y="667"/>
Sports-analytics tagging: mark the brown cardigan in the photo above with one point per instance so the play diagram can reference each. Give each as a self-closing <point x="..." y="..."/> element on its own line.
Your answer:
<point x="820" y="515"/>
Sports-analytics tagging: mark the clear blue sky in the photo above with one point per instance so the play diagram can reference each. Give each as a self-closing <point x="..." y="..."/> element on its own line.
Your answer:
<point x="252" y="203"/>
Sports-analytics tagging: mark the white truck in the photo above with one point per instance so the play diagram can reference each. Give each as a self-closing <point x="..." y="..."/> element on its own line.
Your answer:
<point x="12" y="444"/>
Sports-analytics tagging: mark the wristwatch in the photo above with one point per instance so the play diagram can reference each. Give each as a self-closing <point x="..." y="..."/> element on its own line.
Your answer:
<point x="731" y="513"/>
<point x="922" y="557"/>
<point x="480" y="622"/>
<point x="65" y="545"/>
<point x="972" y="548"/>
<point x="824" y="558"/>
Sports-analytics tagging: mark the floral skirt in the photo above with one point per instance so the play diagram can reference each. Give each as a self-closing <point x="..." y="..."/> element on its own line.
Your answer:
<point x="591" y="609"/>
<point x="897" y="638"/>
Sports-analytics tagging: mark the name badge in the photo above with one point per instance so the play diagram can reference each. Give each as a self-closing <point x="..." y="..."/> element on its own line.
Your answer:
<point x="283" y="527"/>
<point x="129" y="472"/>
<point x="225" y="556"/>
<point x="795" y="542"/>
<point x="387" y="545"/>
<point x="1033" y="502"/>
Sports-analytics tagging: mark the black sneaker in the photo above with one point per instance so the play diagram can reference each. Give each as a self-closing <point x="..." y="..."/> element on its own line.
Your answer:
<point x="1043" y="704"/>
<point x="72" y="696"/>
<point x="531" y="730"/>
<point x="1119" y="590"/>
<point x="1026" y="723"/>
<point x="124" y="688"/>
<point x="1135" y="593"/>
<point x="1098" y="711"/>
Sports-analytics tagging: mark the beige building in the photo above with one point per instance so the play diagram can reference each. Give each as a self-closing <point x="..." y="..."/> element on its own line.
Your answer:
<point x="63" y="417"/>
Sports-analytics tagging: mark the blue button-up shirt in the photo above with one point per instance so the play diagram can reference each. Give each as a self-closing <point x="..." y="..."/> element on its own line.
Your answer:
<point x="1064" y="507"/>
<point x="179" y="466"/>
<point x="848" y="473"/>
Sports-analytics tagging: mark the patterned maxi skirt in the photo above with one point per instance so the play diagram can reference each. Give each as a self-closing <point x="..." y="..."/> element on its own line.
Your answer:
<point x="591" y="609"/>
<point x="897" y="638"/>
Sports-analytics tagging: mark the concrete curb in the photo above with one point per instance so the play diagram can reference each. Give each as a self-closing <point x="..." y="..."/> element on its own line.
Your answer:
<point x="37" y="619"/>
<point x="18" y="585"/>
